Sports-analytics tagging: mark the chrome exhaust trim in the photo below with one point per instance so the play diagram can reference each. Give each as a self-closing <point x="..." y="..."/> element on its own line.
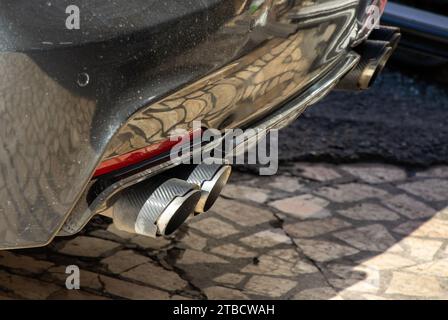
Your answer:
<point x="375" y="53"/>
<point x="392" y="35"/>
<point x="155" y="208"/>
<point x="374" y="56"/>
<point x="210" y="178"/>
<point x="158" y="207"/>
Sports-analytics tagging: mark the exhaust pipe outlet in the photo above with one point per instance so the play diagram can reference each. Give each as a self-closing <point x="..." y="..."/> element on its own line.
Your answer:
<point x="374" y="56"/>
<point x="392" y="35"/>
<point x="375" y="53"/>
<point x="157" y="207"/>
<point x="210" y="178"/>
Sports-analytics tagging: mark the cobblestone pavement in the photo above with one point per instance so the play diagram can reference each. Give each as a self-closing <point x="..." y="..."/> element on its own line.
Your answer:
<point x="315" y="231"/>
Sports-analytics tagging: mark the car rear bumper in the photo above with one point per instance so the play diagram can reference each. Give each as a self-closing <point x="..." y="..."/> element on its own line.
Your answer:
<point x="66" y="109"/>
<point x="281" y="117"/>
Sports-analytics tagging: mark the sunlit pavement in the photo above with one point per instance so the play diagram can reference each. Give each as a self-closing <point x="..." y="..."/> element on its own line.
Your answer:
<point x="365" y="231"/>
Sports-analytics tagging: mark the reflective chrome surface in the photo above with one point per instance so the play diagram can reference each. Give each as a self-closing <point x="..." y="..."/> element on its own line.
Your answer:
<point x="277" y="120"/>
<point x="155" y="208"/>
<point x="374" y="52"/>
<point x="65" y="95"/>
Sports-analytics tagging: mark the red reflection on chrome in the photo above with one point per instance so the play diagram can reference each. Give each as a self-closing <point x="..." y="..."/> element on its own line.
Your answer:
<point x="382" y="5"/>
<point x="139" y="155"/>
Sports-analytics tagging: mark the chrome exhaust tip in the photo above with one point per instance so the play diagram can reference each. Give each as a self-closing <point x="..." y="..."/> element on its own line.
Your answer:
<point x="392" y="35"/>
<point x="374" y="56"/>
<point x="157" y="207"/>
<point x="177" y="213"/>
<point x="210" y="178"/>
<point x="374" y="53"/>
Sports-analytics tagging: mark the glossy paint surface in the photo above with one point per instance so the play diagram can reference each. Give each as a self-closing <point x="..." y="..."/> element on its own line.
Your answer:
<point x="66" y="97"/>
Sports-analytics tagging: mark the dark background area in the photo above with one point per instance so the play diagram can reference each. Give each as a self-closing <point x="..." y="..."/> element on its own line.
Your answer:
<point x="437" y="6"/>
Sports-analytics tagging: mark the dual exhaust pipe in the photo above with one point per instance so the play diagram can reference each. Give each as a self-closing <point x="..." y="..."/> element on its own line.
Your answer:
<point x="159" y="206"/>
<point x="374" y="52"/>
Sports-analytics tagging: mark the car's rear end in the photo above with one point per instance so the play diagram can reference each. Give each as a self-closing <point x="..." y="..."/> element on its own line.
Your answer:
<point x="87" y="115"/>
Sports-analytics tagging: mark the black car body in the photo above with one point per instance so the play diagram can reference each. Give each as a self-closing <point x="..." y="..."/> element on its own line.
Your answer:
<point x="72" y="101"/>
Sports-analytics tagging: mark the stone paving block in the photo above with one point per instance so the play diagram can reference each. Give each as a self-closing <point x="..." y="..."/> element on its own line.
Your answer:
<point x="123" y="260"/>
<point x="317" y="172"/>
<point x="156" y="276"/>
<point x="314" y="228"/>
<point x="376" y="173"/>
<point x="387" y="261"/>
<point x="269" y="286"/>
<point x="233" y="251"/>
<point x="267" y="239"/>
<point x="353" y="288"/>
<point x="65" y="294"/>
<point x="150" y="243"/>
<point x="222" y="293"/>
<point x="4" y="297"/>
<point x="355" y="278"/>
<point x="409" y="228"/>
<point x="193" y="241"/>
<point x="179" y="297"/>
<point x="435" y="172"/>
<point x="370" y="238"/>
<point x="351" y="192"/>
<point x="245" y="193"/>
<point x="29" y="264"/>
<point x="121" y="234"/>
<point x="26" y="287"/>
<point x="303" y="207"/>
<point x="88" y="247"/>
<point x="368" y="296"/>
<point x="129" y="290"/>
<point x="214" y="227"/>
<point x="197" y="257"/>
<point x="442" y="214"/>
<point x="288" y="254"/>
<point x="106" y="235"/>
<point x="323" y="293"/>
<point x="242" y="214"/>
<point x="415" y="285"/>
<point x="409" y="207"/>
<point x="230" y="278"/>
<point x="429" y="189"/>
<point x="437" y="268"/>
<point x="421" y="249"/>
<point x="369" y="212"/>
<point x="432" y="229"/>
<point x="288" y="184"/>
<point x="323" y="251"/>
<point x="275" y="266"/>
